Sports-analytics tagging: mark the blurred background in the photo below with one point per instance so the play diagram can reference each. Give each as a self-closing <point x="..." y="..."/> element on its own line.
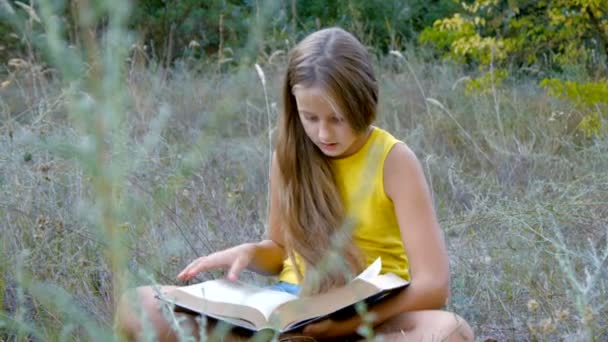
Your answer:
<point x="136" y="136"/>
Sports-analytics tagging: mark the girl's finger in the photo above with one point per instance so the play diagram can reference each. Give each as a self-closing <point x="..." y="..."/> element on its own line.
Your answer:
<point x="187" y="272"/>
<point x="237" y="266"/>
<point x="207" y="263"/>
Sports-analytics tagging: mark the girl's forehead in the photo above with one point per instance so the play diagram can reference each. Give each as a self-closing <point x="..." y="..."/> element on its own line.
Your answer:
<point x="301" y="92"/>
<point x="315" y="100"/>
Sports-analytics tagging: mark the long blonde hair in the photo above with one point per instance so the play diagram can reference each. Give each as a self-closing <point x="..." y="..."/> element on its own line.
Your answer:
<point x="310" y="205"/>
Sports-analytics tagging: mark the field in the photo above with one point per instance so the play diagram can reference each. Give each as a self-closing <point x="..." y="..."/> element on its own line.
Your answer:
<point x="122" y="177"/>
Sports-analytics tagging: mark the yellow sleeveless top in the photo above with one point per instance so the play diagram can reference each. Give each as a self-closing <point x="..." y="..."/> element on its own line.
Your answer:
<point x="360" y="180"/>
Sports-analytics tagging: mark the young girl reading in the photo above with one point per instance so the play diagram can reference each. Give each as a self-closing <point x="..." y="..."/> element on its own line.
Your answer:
<point x="340" y="187"/>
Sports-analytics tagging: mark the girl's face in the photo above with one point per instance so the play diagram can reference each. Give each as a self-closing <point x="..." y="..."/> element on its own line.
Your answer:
<point x="325" y="125"/>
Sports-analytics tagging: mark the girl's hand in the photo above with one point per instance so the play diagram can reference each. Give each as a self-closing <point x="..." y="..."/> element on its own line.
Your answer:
<point x="328" y="328"/>
<point x="235" y="259"/>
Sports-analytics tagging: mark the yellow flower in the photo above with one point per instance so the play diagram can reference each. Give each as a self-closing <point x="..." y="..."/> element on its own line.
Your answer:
<point x="547" y="326"/>
<point x="533" y="305"/>
<point x="562" y="315"/>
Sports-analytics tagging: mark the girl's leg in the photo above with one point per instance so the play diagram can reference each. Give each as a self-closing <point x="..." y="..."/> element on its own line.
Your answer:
<point x="139" y="310"/>
<point x="141" y="303"/>
<point x="428" y="325"/>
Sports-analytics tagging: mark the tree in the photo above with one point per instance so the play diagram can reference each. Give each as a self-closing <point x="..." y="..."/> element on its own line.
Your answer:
<point x="554" y="36"/>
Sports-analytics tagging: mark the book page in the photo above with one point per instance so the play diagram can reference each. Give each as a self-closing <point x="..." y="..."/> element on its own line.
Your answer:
<point x="236" y="292"/>
<point x="386" y="281"/>
<point x="372" y="270"/>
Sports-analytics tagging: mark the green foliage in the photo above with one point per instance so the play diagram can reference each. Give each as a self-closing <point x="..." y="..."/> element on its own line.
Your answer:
<point x="547" y="34"/>
<point x="168" y="28"/>
<point x="227" y="24"/>
<point x="486" y="82"/>
<point x="9" y="43"/>
<point x="590" y="98"/>
<point x="390" y="24"/>
<point x="445" y="32"/>
<point x="235" y="29"/>
<point x="543" y="35"/>
<point x="582" y="94"/>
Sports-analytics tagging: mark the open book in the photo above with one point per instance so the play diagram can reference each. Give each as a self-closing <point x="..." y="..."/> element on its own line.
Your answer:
<point x="256" y="308"/>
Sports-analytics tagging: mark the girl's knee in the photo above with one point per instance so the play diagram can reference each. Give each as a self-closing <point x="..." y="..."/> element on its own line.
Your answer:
<point x="134" y="299"/>
<point x="125" y="319"/>
<point x="430" y="325"/>
<point x="454" y="327"/>
<point x="133" y="305"/>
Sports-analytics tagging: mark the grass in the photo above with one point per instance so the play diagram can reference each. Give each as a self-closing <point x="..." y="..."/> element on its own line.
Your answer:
<point x="178" y="168"/>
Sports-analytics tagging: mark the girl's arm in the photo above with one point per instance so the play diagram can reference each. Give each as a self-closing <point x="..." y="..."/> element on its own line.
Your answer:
<point x="267" y="258"/>
<point x="264" y="257"/>
<point x="405" y="185"/>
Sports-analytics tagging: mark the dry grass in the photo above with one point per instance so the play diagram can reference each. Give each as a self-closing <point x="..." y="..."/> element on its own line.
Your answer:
<point x="524" y="210"/>
<point x="177" y="167"/>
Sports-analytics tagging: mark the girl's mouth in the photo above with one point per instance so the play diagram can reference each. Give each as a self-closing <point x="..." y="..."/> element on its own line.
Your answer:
<point x="329" y="146"/>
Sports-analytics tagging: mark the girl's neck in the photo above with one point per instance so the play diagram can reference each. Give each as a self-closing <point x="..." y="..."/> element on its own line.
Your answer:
<point x="358" y="144"/>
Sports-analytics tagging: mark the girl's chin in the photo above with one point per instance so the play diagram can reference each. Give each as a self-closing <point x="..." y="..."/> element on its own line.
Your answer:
<point x="332" y="152"/>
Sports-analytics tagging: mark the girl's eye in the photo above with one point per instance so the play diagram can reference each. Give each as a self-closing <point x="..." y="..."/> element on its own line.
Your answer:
<point x="336" y="119"/>
<point x="311" y="118"/>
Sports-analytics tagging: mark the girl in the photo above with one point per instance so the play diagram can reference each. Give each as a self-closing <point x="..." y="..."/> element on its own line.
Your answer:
<point x="340" y="187"/>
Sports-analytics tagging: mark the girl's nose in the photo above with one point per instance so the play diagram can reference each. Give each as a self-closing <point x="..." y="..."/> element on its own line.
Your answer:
<point x="324" y="133"/>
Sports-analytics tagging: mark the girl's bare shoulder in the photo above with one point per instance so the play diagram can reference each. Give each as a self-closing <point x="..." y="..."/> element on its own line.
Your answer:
<point x="402" y="170"/>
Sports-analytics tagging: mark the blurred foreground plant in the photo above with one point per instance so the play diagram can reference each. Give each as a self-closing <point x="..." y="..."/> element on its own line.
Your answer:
<point x="92" y="80"/>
